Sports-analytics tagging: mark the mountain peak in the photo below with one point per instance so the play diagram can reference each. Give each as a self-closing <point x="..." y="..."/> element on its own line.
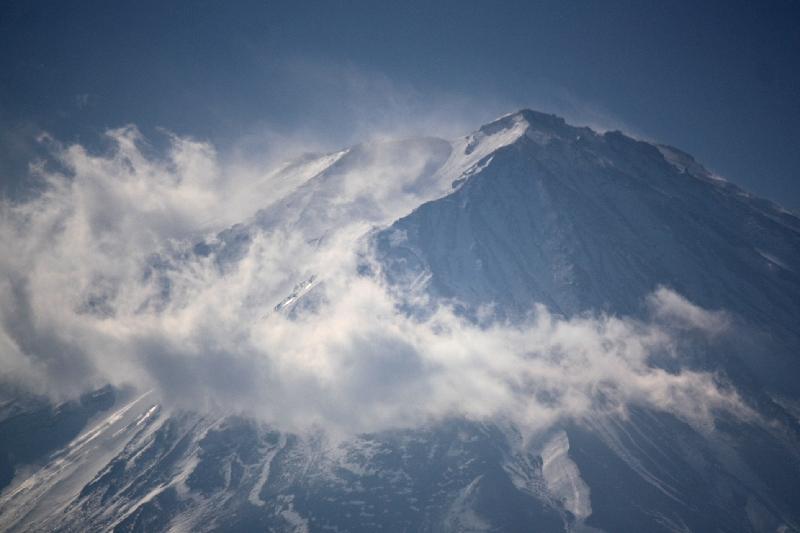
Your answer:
<point x="540" y="119"/>
<point x="529" y="120"/>
<point x="535" y="125"/>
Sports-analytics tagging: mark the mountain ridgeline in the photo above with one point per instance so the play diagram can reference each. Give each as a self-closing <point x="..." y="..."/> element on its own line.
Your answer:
<point x="526" y="210"/>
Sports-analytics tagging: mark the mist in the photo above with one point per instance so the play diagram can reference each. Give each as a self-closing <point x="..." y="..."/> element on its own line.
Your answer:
<point x="249" y="287"/>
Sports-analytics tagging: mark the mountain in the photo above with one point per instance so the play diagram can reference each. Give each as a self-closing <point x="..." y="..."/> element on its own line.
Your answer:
<point x="527" y="210"/>
<point x="579" y="220"/>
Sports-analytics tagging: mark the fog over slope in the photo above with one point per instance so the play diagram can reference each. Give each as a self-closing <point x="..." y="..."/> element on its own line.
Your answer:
<point x="118" y="277"/>
<point x="562" y="293"/>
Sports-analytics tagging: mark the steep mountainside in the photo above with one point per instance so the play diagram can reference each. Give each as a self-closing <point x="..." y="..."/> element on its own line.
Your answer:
<point x="527" y="210"/>
<point x="580" y="220"/>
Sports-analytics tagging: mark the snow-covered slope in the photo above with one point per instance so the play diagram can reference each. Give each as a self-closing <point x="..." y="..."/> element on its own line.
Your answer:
<point x="525" y="210"/>
<point x="580" y="220"/>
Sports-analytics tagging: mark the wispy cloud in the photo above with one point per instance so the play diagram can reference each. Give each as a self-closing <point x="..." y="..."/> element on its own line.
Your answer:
<point x="104" y="283"/>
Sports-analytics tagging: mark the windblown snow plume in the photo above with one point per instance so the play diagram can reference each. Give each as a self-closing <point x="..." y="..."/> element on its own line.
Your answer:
<point x="128" y="269"/>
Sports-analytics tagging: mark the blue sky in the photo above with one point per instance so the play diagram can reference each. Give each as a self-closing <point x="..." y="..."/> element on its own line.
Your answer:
<point x="720" y="80"/>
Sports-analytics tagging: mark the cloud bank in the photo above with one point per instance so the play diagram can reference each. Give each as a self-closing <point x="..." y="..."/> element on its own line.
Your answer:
<point x="126" y="269"/>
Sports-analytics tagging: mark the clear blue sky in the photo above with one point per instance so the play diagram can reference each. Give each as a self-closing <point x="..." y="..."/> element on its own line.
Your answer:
<point x="718" y="79"/>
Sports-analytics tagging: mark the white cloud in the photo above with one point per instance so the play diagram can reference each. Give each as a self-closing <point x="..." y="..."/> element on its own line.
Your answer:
<point x="670" y="306"/>
<point x="102" y="285"/>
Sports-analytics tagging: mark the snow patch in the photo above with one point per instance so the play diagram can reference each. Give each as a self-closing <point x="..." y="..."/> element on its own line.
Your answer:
<point x="772" y="260"/>
<point x="563" y="479"/>
<point x="254" y="495"/>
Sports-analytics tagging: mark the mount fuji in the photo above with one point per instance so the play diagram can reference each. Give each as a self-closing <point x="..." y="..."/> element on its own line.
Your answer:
<point x="526" y="217"/>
